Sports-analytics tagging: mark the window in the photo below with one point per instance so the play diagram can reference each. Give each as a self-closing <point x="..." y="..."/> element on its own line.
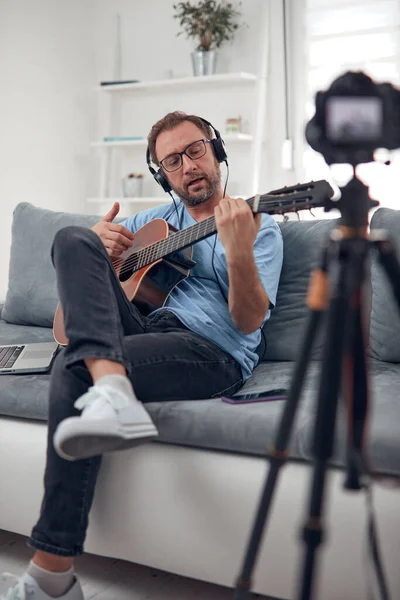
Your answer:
<point x="353" y="35"/>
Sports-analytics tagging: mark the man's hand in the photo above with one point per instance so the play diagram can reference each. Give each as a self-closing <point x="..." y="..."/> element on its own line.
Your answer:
<point x="237" y="227"/>
<point x="116" y="238"/>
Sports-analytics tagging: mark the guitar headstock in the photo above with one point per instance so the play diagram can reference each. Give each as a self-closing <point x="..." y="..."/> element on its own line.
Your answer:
<point x="303" y="196"/>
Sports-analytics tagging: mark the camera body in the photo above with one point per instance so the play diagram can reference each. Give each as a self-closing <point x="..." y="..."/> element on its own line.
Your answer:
<point x="353" y="118"/>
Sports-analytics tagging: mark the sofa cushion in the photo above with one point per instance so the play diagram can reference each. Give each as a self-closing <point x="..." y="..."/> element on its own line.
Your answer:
<point x="251" y="428"/>
<point x="385" y="316"/>
<point x="246" y="429"/>
<point x="302" y="242"/>
<point x="32" y="296"/>
<point x="23" y="334"/>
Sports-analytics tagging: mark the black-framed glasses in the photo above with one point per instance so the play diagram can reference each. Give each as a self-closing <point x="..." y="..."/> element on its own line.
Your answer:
<point x="195" y="150"/>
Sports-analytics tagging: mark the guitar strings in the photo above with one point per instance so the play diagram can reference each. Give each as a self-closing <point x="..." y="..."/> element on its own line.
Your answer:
<point x="152" y="252"/>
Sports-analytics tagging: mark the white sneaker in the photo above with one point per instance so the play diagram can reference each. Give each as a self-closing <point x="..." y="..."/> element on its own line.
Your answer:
<point x="111" y="420"/>
<point x="27" y="588"/>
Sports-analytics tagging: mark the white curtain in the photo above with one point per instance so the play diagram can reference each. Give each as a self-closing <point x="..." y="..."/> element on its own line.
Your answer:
<point x="352" y="35"/>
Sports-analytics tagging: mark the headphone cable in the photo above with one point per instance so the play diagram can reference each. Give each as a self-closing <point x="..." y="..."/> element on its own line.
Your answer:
<point x="215" y="240"/>
<point x="264" y="347"/>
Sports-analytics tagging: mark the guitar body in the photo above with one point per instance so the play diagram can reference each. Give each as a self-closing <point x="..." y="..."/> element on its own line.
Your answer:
<point x="149" y="287"/>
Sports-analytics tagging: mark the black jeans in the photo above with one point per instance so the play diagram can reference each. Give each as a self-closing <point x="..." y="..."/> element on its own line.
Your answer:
<point x="165" y="361"/>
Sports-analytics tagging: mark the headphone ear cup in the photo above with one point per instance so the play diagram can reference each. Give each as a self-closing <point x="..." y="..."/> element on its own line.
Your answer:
<point x="219" y="149"/>
<point x="162" y="180"/>
<point x="217" y="143"/>
<point x="158" y="175"/>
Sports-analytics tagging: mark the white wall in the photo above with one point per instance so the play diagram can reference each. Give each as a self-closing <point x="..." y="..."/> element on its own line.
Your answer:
<point x="46" y="76"/>
<point x="54" y="52"/>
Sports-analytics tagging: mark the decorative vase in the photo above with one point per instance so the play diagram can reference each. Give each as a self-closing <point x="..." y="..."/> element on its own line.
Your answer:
<point x="132" y="186"/>
<point x="204" y="62"/>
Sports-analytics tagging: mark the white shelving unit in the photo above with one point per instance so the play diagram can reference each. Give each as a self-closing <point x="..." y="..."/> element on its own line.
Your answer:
<point x="181" y="82"/>
<point x="109" y="149"/>
<point x="230" y="138"/>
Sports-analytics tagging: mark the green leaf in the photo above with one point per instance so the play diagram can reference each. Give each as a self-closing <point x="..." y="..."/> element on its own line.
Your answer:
<point x="210" y="22"/>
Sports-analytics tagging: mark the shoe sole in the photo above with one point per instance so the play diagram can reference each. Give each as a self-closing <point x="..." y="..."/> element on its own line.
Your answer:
<point x="76" y="439"/>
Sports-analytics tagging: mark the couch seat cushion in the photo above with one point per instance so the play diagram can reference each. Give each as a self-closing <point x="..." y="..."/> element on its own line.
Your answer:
<point x="246" y="429"/>
<point x="20" y="334"/>
<point x="24" y="395"/>
<point x="250" y="429"/>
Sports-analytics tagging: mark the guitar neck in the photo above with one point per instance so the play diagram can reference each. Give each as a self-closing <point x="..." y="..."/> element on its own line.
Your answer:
<point x="182" y="239"/>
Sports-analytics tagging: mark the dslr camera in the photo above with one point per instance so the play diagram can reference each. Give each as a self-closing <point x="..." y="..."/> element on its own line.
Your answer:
<point x="353" y="118"/>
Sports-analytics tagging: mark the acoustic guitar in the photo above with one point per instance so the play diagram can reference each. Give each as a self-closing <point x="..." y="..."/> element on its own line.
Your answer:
<point x="161" y="257"/>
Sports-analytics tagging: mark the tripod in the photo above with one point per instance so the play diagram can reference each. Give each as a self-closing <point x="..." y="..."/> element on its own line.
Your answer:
<point x="344" y="352"/>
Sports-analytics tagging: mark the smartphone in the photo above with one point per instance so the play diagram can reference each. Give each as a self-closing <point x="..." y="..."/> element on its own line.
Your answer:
<point x="268" y="395"/>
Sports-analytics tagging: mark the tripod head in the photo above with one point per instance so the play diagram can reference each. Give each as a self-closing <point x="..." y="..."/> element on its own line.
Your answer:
<point x="352" y="119"/>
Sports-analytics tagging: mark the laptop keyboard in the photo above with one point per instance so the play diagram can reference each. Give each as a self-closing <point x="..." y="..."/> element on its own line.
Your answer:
<point x="9" y="355"/>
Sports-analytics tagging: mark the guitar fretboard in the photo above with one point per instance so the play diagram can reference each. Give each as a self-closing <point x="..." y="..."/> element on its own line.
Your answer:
<point x="178" y="241"/>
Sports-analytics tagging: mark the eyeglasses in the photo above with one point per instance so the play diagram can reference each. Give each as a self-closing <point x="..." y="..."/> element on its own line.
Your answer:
<point x="195" y="150"/>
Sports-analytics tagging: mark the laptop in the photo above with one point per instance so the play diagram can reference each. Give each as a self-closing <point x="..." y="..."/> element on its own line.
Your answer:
<point x="27" y="358"/>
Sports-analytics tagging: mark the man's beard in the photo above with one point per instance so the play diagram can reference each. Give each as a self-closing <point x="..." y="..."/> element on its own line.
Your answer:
<point x="192" y="198"/>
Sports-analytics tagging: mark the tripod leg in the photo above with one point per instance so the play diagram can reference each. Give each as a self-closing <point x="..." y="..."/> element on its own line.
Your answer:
<point x="328" y="395"/>
<point x="317" y="301"/>
<point x="357" y="400"/>
<point x="356" y="393"/>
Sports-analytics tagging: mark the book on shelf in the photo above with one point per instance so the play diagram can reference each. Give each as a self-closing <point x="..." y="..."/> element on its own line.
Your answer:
<point x="119" y="82"/>
<point x="118" y="138"/>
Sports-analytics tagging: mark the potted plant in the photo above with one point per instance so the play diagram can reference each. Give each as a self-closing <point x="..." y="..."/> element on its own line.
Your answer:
<point x="211" y="23"/>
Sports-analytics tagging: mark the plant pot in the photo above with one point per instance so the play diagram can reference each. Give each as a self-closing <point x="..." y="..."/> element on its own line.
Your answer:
<point x="204" y="62"/>
<point x="132" y="187"/>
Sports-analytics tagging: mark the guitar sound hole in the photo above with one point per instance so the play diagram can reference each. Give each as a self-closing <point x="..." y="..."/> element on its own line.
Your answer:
<point x="125" y="272"/>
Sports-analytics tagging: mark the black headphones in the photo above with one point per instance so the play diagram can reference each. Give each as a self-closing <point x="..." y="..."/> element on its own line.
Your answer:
<point x="218" y="147"/>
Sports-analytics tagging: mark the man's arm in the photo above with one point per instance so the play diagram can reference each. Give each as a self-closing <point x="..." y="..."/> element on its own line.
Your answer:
<point x="238" y="229"/>
<point x="248" y="301"/>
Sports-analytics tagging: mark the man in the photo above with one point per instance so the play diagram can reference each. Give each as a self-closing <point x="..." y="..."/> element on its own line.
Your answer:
<point x="201" y="344"/>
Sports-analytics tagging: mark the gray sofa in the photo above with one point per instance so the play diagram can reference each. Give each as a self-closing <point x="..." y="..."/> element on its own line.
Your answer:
<point x="198" y="485"/>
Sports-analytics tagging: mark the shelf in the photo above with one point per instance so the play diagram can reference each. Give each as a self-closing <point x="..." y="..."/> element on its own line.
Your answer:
<point x="117" y="143"/>
<point x="124" y="200"/>
<point x="228" y="138"/>
<point x="223" y="79"/>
